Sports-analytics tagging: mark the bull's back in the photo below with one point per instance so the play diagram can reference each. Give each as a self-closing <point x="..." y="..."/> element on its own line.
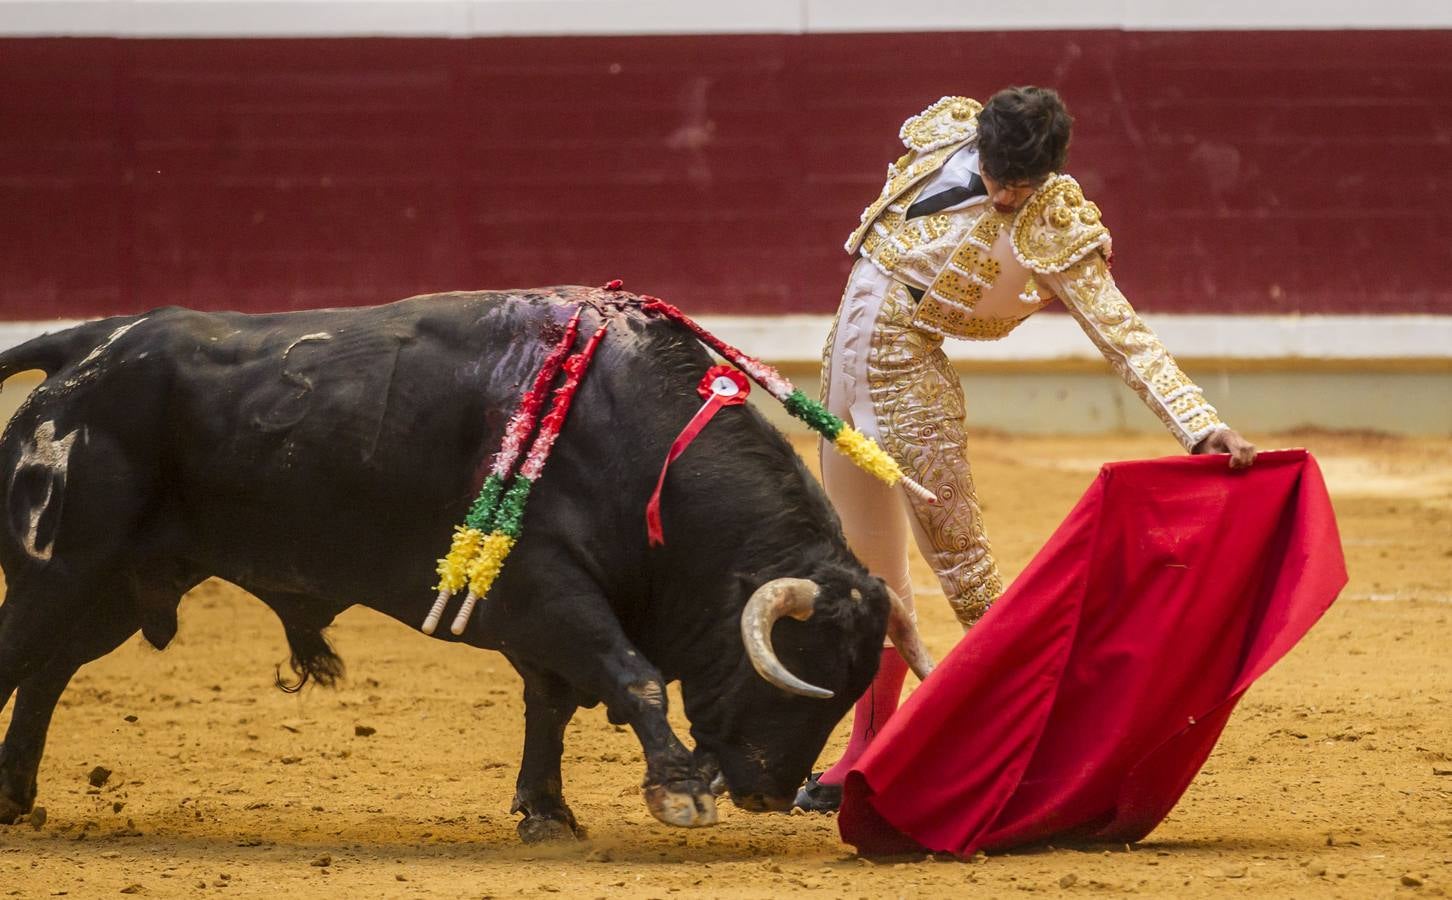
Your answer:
<point x="290" y="437"/>
<point x="347" y="433"/>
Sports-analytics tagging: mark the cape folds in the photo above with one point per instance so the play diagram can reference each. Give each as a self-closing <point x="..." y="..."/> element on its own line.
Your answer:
<point x="1085" y="701"/>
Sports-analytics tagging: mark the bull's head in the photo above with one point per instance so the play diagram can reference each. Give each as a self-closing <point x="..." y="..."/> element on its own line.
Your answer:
<point x="812" y="646"/>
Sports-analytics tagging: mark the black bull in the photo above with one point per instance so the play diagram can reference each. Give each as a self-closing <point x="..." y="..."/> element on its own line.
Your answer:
<point x="320" y="459"/>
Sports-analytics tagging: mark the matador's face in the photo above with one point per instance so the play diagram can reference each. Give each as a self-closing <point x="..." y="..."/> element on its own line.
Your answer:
<point x="1007" y="197"/>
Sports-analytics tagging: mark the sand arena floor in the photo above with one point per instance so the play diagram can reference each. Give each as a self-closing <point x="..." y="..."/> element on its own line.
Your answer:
<point x="1334" y="777"/>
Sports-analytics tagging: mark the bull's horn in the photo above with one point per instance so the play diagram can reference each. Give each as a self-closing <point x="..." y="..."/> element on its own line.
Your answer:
<point x="795" y="597"/>
<point x="903" y="630"/>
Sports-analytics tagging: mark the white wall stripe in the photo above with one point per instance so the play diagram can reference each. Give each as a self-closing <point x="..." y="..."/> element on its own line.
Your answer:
<point x="1052" y="338"/>
<point x="1049" y="338"/>
<point x="467" y="18"/>
<point x="1131" y="15"/>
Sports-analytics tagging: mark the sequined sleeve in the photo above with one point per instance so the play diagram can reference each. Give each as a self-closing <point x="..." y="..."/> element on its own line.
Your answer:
<point x="1133" y="350"/>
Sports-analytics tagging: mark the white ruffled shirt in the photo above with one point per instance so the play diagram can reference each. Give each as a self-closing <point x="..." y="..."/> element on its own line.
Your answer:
<point x="958" y="171"/>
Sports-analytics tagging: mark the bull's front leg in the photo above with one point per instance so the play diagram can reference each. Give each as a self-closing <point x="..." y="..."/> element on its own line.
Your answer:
<point x="676" y="791"/>
<point x="591" y="653"/>
<point x="539" y="793"/>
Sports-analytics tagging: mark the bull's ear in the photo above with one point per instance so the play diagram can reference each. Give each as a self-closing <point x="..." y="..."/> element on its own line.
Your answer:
<point x="742" y="584"/>
<point x="849" y="595"/>
<point x="863" y="600"/>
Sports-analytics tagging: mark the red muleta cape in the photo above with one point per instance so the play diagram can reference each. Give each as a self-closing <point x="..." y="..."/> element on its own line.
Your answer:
<point x="1082" y="705"/>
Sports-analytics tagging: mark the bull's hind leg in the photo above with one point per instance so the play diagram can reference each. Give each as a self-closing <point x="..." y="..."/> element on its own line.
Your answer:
<point x="539" y="791"/>
<point x="40" y="610"/>
<point x="105" y="627"/>
<point x="8" y="681"/>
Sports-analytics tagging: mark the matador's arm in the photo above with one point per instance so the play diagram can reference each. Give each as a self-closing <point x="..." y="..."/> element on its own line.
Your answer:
<point x="1058" y="234"/>
<point x="1134" y="351"/>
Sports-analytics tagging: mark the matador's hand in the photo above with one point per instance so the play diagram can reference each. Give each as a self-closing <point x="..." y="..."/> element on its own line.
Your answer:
<point x="1242" y="452"/>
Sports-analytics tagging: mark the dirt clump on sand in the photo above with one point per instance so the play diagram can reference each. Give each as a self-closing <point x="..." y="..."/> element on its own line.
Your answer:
<point x="1334" y="776"/>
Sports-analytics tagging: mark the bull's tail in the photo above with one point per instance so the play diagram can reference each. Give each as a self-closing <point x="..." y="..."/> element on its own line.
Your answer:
<point x="53" y="351"/>
<point x="313" y="658"/>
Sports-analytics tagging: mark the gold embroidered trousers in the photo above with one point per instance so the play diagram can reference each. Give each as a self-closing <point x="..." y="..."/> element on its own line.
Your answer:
<point x="893" y="382"/>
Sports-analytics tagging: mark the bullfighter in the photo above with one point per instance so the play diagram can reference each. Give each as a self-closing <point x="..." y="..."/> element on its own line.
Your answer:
<point x="975" y="230"/>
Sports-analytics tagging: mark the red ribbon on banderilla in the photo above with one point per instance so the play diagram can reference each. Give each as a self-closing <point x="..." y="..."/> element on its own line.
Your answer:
<point x="722" y="386"/>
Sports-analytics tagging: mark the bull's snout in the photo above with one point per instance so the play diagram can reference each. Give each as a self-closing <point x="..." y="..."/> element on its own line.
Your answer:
<point x="762" y="802"/>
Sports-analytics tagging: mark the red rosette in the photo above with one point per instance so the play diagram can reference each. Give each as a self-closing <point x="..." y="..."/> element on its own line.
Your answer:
<point x="727" y="383"/>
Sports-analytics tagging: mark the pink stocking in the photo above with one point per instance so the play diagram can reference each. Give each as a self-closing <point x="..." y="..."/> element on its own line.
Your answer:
<point x="870" y="713"/>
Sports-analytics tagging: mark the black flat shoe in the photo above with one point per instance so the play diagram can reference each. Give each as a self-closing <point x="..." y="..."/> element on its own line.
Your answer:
<point x="817" y="797"/>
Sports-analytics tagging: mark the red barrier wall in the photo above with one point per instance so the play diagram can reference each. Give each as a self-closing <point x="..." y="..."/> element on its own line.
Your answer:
<point x="1240" y="171"/>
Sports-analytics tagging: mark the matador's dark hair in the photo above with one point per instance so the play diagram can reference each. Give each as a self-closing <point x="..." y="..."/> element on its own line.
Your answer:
<point x="1023" y="134"/>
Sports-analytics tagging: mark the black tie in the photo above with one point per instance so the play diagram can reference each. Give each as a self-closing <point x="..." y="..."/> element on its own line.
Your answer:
<point x="950" y="197"/>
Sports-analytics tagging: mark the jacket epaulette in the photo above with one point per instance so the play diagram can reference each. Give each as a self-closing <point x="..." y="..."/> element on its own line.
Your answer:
<point x="949" y="121"/>
<point x="1057" y="227"/>
<point x="931" y="137"/>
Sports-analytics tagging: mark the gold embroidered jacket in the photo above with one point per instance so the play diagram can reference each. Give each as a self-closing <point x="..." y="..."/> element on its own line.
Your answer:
<point x="982" y="272"/>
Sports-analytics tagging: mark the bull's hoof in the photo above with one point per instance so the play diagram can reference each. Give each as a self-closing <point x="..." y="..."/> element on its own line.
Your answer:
<point x="11" y="811"/>
<point x="542" y="830"/>
<point x="685" y="805"/>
